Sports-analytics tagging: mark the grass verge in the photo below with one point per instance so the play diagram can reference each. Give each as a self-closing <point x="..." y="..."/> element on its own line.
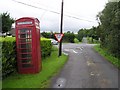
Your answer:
<point x="50" y="66"/>
<point x="115" y="61"/>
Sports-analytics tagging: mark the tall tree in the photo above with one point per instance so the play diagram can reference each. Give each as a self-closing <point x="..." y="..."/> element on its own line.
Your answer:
<point x="110" y="27"/>
<point x="69" y="37"/>
<point x="80" y="34"/>
<point x="6" y="22"/>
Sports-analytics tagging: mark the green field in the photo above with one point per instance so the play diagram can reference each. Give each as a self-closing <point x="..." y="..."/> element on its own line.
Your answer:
<point x="50" y="66"/>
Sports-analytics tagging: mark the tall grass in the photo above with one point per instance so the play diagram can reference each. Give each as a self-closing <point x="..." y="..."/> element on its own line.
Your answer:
<point x="115" y="61"/>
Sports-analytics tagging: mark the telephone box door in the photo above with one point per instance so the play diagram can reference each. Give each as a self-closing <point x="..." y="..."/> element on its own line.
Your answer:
<point x="25" y="47"/>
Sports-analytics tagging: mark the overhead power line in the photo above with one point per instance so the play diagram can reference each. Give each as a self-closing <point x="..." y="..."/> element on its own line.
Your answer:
<point x="36" y="7"/>
<point x="51" y="11"/>
<point x="79" y="18"/>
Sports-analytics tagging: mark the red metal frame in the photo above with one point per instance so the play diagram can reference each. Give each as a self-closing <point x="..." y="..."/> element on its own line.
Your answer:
<point x="28" y="45"/>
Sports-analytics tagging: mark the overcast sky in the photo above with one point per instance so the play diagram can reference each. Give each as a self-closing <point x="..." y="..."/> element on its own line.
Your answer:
<point x="47" y="11"/>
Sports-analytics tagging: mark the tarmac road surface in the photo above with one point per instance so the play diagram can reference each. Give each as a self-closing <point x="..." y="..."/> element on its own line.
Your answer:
<point x="85" y="69"/>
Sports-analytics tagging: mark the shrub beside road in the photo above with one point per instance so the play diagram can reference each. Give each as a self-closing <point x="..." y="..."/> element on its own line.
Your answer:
<point x="46" y="47"/>
<point x="8" y="54"/>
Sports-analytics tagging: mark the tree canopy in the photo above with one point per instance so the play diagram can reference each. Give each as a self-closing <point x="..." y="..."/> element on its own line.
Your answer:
<point x="6" y="22"/>
<point x="110" y="27"/>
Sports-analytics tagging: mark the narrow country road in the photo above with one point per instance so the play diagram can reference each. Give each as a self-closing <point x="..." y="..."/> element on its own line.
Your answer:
<point x="85" y="69"/>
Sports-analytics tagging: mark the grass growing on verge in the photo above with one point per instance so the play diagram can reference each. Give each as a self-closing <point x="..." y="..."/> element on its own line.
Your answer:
<point x="50" y="66"/>
<point x="115" y="61"/>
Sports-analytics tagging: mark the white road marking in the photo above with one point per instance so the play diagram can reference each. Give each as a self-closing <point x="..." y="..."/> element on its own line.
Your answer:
<point x="75" y="51"/>
<point x="92" y="74"/>
<point x="66" y="50"/>
<point x="80" y="48"/>
<point x="65" y="53"/>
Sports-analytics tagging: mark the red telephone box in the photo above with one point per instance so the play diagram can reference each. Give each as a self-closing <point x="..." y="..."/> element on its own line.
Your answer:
<point x="28" y="45"/>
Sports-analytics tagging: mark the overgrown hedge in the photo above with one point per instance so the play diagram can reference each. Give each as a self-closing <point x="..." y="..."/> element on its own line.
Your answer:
<point x="110" y="28"/>
<point x="46" y="47"/>
<point x="8" y="55"/>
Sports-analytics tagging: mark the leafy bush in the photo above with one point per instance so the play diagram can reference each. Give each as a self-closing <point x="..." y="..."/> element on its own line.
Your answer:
<point x="76" y="40"/>
<point x="68" y="37"/>
<point x="110" y="28"/>
<point x="46" y="47"/>
<point x="92" y="41"/>
<point x="8" y="55"/>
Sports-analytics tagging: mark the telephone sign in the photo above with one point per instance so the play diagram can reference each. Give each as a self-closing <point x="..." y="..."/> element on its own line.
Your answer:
<point x="22" y="23"/>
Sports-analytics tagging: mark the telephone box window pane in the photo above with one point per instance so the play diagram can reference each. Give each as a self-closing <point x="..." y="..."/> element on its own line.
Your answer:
<point x="28" y="46"/>
<point x="25" y="50"/>
<point x="28" y="61"/>
<point x="26" y="65"/>
<point x="22" y="40"/>
<point x="26" y="55"/>
<point x="22" y="36"/>
<point x="24" y="33"/>
<point x="25" y="30"/>
<point x="25" y="46"/>
<point x="22" y="30"/>
<point x="25" y="40"/>
<point x="28" y="35"/>
<point x="28" y="40"/>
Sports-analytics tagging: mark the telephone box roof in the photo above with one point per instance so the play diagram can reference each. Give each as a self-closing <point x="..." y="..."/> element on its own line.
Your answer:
<point x="28" y="18"/>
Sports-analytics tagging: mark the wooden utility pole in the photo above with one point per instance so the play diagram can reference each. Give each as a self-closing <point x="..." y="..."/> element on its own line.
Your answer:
<point x="61" y="27"/>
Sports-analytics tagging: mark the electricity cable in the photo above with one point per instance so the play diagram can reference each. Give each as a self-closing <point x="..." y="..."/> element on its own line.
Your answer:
<point x="51" y="11"/>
